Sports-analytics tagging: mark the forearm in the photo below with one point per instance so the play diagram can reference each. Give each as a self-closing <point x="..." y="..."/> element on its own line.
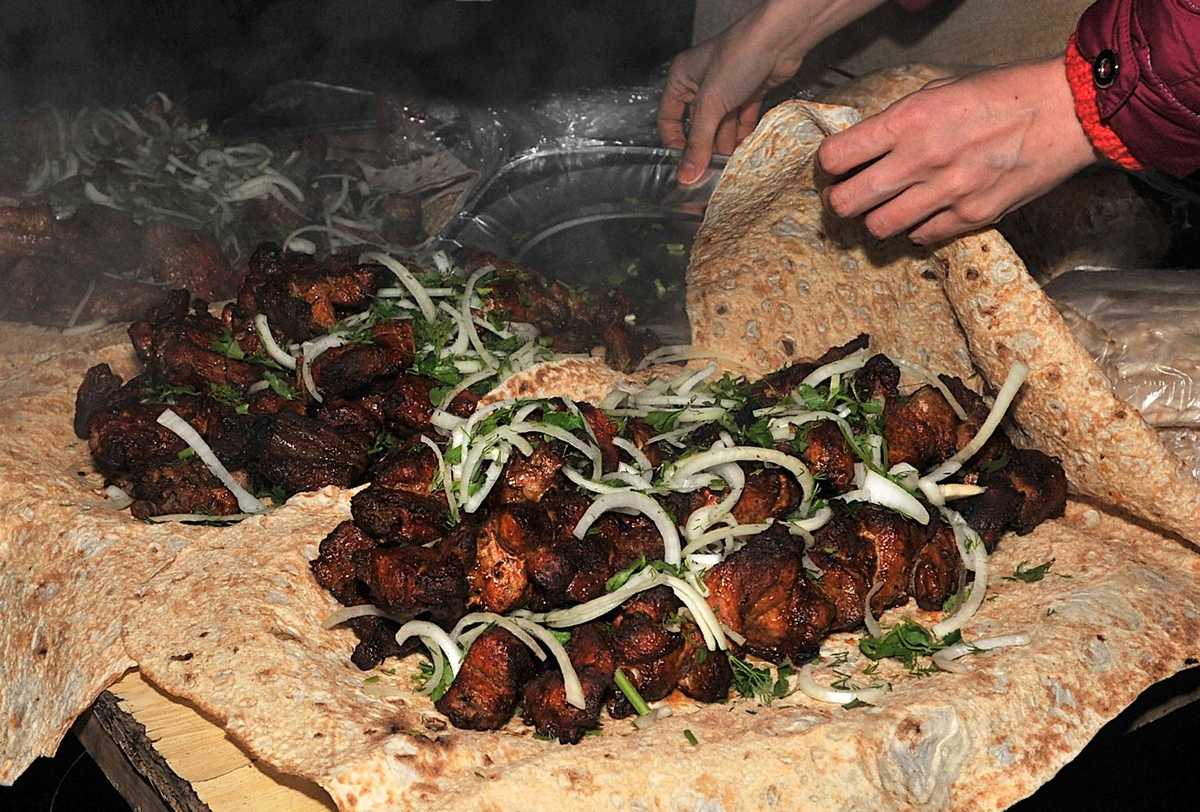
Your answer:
<point x="799" y="25"/>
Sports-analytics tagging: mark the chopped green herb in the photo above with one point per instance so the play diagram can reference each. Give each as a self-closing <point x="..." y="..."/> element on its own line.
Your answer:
<point x="753" y="682"/>
<point x="1030" y="574"/>
<point x="691" y="737"/>
<point x="228" y="346"/>
<point x="857" y="703"/>
<point x="280" y="387"/>
<point x="906" y="641"/>
<point x="622" y="682"/>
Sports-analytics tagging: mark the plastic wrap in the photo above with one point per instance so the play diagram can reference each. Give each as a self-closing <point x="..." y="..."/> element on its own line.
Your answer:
<point x="1142" y="327"/>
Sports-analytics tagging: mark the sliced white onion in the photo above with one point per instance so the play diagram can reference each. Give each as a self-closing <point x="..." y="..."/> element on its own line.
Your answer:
<point x="702" y="613"/>
<point x="311" y="350"/>
<point x="708" y="459"/>
<point x="643" y="504"/>
<point x="469" y="323"/>
<point x="351" y="612"/>
<point x="428" y="309"/>
<point x="879" y="490"/>
<point x="444" y="473"/>
<point x="929" y="377"/>
<point x="851" y="362"/>
<point x="571" y="684"/>
<point x="484" y="619"/>
<point x="189" y="435"/>
<point x="978" y="561"/>
<point x="840" y="696"/>
<point x="945" y="658"/>
<point x="1004" y="398"/>
<point x="638" y="456"/>
<point x="277" y="353"/>
<point x="640" y="581"/>
<point x="434" y="637"/>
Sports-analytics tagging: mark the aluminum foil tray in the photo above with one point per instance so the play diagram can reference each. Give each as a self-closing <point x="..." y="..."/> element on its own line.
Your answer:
<point x="605" y="216"/>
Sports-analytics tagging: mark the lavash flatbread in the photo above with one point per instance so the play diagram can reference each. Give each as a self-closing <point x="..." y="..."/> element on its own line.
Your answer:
<point x="768" y="257"/>
<point x="233" y="621"/>
<point x="774" y="278"/>
<point x="67" y="564"/>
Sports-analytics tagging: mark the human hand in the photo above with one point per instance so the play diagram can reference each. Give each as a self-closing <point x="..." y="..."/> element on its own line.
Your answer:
<point x="959" y="154"/>
<point x="718" y="86"/>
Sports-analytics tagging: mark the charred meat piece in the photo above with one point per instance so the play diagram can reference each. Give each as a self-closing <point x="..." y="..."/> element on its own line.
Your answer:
<point x="920" y="429"/>
<point x="487" y="688"/>
<point x="773" y="386"/>
<point x="763" y="593"/>
<point x="639" y="631"/>
<point x="181" y="487"/>
<point x="1041" y="480"/>
<point x="499" y="581"/>
<point x="334" y="566"/>
<point x="175" y="346"/>
<point x="547" y="709"/>
<point x="895" y="539"/>
<point x="878" y="378"/>
<point x="304" y="454"/>
<point x="545" y="699"/>
<point x="410" y="467"/>
<point x="407" y="580"/>
<point x="528" y="479"/>
<point x="187" y="259"/>
<point x="98" y="389"/>
<point x="343" y="370"/>
<point x="704" y="675"/>
<point x="828" y="456"/>
<point x="300" y="297"/>
<point x="398" y="516"/>
<point x="991" y="512"/>
<point x="938" y="569"/>
<point x="770" y="493"/>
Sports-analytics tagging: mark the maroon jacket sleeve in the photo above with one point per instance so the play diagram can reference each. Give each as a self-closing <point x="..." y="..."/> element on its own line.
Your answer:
<point x="1145" y="56"/>
<point x="913" y="5"/>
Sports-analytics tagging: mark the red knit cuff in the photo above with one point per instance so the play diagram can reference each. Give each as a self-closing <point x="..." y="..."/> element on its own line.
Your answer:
<point x="1103" y="137"/>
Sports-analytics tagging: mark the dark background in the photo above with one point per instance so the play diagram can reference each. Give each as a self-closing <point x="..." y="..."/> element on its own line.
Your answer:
<point x="216" y="56"/>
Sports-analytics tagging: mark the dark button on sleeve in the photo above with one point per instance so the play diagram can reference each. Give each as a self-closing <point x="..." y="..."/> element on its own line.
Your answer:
<point x="1105" y="69"/>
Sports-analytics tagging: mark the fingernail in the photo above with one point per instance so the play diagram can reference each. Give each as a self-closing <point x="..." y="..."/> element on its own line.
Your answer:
<point x="688" y="171"/>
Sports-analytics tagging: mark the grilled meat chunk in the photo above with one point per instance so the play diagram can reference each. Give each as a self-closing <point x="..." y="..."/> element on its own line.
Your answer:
<point x="499" y="581"/>
<point x="938" y="570"/>
<point x="99" y="387"/>
<point x="398" y="516"/>
<point x="407" y="579"/>
<point x="769" y="494"/>
<point x="493" y="675"/>
<point x="828" y="456"/>
<point x="547" y="709"/>
<point x="304" y="454"/>
<point x="175" y="346"/>
<point x="763" y="594"/>
<point x="920" y="429"/>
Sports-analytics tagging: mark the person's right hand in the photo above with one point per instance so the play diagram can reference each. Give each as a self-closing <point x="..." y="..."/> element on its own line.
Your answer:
<point x="718" y="86"/>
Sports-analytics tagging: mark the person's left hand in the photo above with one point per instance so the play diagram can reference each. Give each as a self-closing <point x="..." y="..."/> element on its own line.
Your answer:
<point x="959" y="154"/>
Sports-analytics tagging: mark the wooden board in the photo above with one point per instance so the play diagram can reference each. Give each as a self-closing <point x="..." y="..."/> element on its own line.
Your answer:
<point x="183" y="757"/>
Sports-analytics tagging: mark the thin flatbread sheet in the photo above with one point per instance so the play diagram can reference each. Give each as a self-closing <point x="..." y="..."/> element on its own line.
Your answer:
<point x="234" y="625"/>
<point x="1067" y="406"/>
<point x="774" y="278"/>
<point x="68" y="561"/>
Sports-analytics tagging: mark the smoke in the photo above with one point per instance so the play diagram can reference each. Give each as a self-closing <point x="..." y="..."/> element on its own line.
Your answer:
<point x="219" y="54"/>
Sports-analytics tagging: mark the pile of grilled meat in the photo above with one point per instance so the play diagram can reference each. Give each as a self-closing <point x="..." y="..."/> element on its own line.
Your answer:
<point x="404" y="553"/>
<point x="278" y="439"/>
<point x="400" y="553"/>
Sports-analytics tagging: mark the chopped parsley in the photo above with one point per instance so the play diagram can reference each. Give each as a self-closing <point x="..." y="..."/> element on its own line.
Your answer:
<point x="1030" y="574"/>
